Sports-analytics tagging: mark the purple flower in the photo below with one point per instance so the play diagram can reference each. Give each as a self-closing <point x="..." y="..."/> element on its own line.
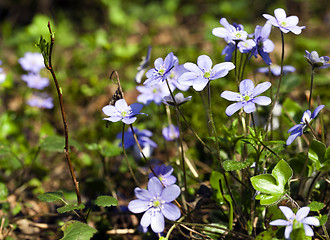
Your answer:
<point x="171" y="132"/>
<point x="263" y="45"/>
<point x="298" y="130"/>
<point x="163" y="173"/>
<point x="176" y="72"/>
<point x="228" y="51"/>
<point x="230" y="32"/>
<point x="315" y="61"/>
<point x="199" y="75"/>
<point x="247" y="97"/>
<point x="276" y="69"/>
<point x="156" y="203"/>
<point x="2" y="74"/>
<point x="143" y="137"/>
<point x="122" y="112"/>
<point x="300" y="217"/>
<point x="32" y="62"/>
<point x="34" y="80"/>
<point x="286" y="24"/>
<point x="161" y="71"/>
<point x="179" y="99"/>
<point x="143" y="66"/>
<point x="154" y="93"/>
<point x="40" y="100"/>
<point x="246" y="46"/>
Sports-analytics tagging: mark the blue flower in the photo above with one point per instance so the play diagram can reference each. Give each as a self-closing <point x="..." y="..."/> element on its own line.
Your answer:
<point x="156" y="203"/>
<point x="155" y="93"/>
<point x="34" y="80"/>
<point x="143" y="137"/>
<point x="247" y="97"/>
<point x="293" y="219"/>
<point x="298" y="129"/>
<point x="40" y="100"/>
<point x="263" y="45"/>
<point x="230" y="33"/>
<point x="276" y="69"/>
<point x="161" y="71"/>
<point x="175" y="73"/>
<point x="246" y="46"/>
<point x="32" y="62"/>
<point x="143" y="66"/>
<point x="199" y="75"/>
<point x="315" y="61"/>
<point x="228" y="51"/>
<point x="171" y="132"/>
<point x="122" y="112"/>
<point x="285" y="24"/>
<point x="164" y="174"/>
<point x="179" y="99"/>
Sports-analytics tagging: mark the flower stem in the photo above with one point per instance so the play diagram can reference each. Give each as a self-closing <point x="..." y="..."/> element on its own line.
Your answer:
<point x="311" y="89"/>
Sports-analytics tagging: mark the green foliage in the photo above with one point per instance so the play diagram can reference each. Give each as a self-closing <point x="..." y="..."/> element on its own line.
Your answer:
<point x="272" y="187"/>
<point x="231" y="165"/>
<point x="70" y="207"/>
<point x="51" y="197"/>
<point x="319" y="154"/>
<point x="56" y="143"/>
<point x="106" y="201"/>
<point x="3" y="192"/>
<point x="316" y="206"/>
<point x="74" y="230"/>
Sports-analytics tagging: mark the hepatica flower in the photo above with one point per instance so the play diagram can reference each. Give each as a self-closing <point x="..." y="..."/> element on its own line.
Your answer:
<point x="122" y="112"/>
<point x="230" y="32"/>
<point x="178" y="98"/>
<point x="247" y="97"/>
<point x="171" y="132"/>
<point x="143" y="66"/>
<point x="34" y="80"/>
<point x="156" y="203"/>
<point x="143" y="137"/>
<point x="32" y="62"/>
<point x="199" y="75"/>
<point x="285" y="24"/>
<point x="315" y="61"/>
<point x="298" y="130"/>
<point x="155" y="93"/>
<point x="164" y="174"/>
<point x="161" y="71"/>
<point x="276" y="69"/>
<point x="40" y="100"/>
<point x="293" y="219"/>
<point x="175" y="73"/>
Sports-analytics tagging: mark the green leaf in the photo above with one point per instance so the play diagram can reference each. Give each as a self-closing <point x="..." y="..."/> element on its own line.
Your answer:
<point x="106" y="201"/>
<point x="266" y="183"/>
<point x="282" y="172"/>
<point x="316" y="206"/>
<point x="4" y="149"/>
<point x="3" y="192"/>
<point x="74" y="230"/>
<point x="316" y="151"/>
<point x="270" y="234"/>
<point x="231" y="165"/>
<point x="51" y="196"/>
<point x="55" y="143"/>
<point x="70" y="207"/>
<point x="266" y="199"/>
<point x="323" y="219"/>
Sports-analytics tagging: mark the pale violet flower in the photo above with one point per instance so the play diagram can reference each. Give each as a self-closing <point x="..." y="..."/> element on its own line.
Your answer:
<point x="247" y="97"/>
<point x="246" y="46"/>
<point x="154" y="93"/>
<point x="175" y="73"/>
<point x="315" y="61"/>
<point x="157" y="204"/>
<point x="164" y="174"/>
<point x="276" y="69"/>
<point x="298" y="129"/>
<point x="40" y="100"/>
<point x="230" y="32"/>
<point x="171" y="132"/>
<point x="2" y="75"/>
<point x="32" y="62"/>
<point x="34" y="80"/>
<point x="178" y="98"/>
<point x="300" y="217"/>
<point x="199" y="75"/>
<point x="285" y="24"/>
<point x="122" y="112"/>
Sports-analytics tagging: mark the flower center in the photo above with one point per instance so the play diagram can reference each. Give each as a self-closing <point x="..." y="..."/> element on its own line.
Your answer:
<point x="207" y="74"/>
<point x="306" y="118"/>
<point x="156" y="203"/>
<point x="161" y="72"/>
<point x="283" y="24"/>
<point x="247" y="98"/>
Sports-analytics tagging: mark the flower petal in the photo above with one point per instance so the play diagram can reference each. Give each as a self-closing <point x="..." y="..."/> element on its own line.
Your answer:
<point x="308" y="230"/>
<point x="311" y="221"/>
<point x="296" y="128"/>
<point x="249" y="107"/>
<point x="159" y="62"/>
<point x="142" y="194"/>
<point x="292" y="137"/>
<point x="146" y="218"/>
<point x="262" y="100"/>
<point x="220" y="70"/>
<point x="246" y="86"/>
<point x="279" y="222"/>
<point x="192" y="67"/>
<point x="110" y="110"/>
<point x="138" y="206"/>
<point x="232" y="108"/>
<point x="170" y="193"/>
<point x="302" y="213"/>
<point x="170" y="211"/>
<point x="136" y="108"/>
<point x="187" y="78"/>
<point x="287" y="231"/>
<point x="292" y="20"/>
<point x="204" y="62"/>
<point x="260" y="88"/>
<point x="220" y="32"/>
<point x="113" y="118"/>
<point x="231" y="96"/>
<point x="155" y="188"/>
<point x="121" y="105"/>
<point x="157" y="222"/>
<point x="280" y="14"/>
<point x="317" y="110"/>
<point x="200" y="83"/>
<point x="129" y="120"/>
<point x="287" y="212"/>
